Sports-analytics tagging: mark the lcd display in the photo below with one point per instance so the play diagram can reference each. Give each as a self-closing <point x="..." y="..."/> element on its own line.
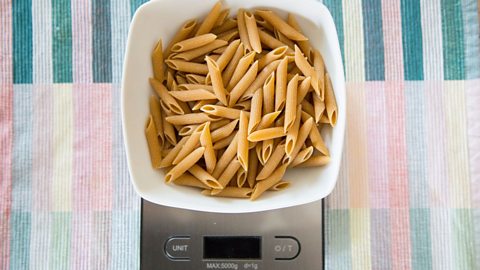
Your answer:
<point x="232" y="247"/>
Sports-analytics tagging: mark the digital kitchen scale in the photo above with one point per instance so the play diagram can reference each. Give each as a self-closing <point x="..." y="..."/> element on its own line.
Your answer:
<point x="288" y="238"/>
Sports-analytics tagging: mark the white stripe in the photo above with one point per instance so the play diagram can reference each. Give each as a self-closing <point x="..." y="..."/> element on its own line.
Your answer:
<point x="42" y="41"/>
<point x="431" y="14"/>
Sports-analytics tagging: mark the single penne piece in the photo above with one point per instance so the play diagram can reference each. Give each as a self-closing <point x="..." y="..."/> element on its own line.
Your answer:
<point x="281" y="84"/>
<point x="265" y="134"/>
<point x="230" y="192"/>
<point x="156" y="112"/>
<point x="219" y="124"/>
<point x="224" y="131"/>
<point x="269" y="94"/>
<point x="209" y="154"/>
<point x="280" y="121"/>
<point x="223" y="143"/>
<point x="195" y="79"/>
<point x="318" y="107"/>
<point x="244" y="105"/>
<point x="222" y="17"/>
<point x="292" y="133"/>
<point x="252" y="168"/>
<point x="303" y="89"/>
<point x="252" y="31"/>
<point x="228" y="71"/>
<point x="169" y="131"/>
<point x="262" y="23"/>
<point x="280" y="25"/>
<point x="180" y="79"/>
<point x="241" y="69"/>
<point x="167" y="161"/>
<point x="284" y="39"/>
<point x="319" y="67"/>
<point x="184" y="165"/>
<point x="268" y="120"/>
<point x="189" y="86"/>
<point x="200" y="51"/>
<point x="272" y="162"/>
<point x="303" y="44"/>
<point x="271" y="56"/>
<point x="269" y="182"/>
<point x="209" y="21"/>
<point x="226" y="157"/>
<point x="242" y="150"/>
<point x="193" y="95"/>
<point x="256" y="111"/>
<point x="154" y="147"/>
<point x="157" y="61"/>
<point x="181" y="34"/>
<point x="228" y="35"/>
<point x="229" y="172"/>
<point x="267" y="148"/>
<point x="201" y="103"/>
<point x="165" y="96"/>
<point x="291" y="103"/>
<point x="187" y="130"/>
<point x="302" y="156"/>
<point x="189" y="180"/>
<point x="220" y="50"/>
<point x="258" y="150"/>
<point x="227" y="55"/>
<point x="242" y="29"/>
<point x="315" y="161"/>
<point x="244" y="83"/>
<point x="228" y="24"/>
<point x="217" y="82"/>
<point x="170" y="78"/>
<point x="303" y="133"/>
<point x="308" y="108"/>
<point x="188" y="67"/>
<point x="280" y="186"/>
<point x="317" y="141"/>
<point x="193" y="43"/>
<point x="221" y="111"/>
<point x="271" y="42"/>
<point x="191" y="118"/>
<point x="260" y="79"/>
<point x="302" y="64"/>
<point x="330" y="102"/>
<point x="204" y="177"/>
<point x="192" y="143"/>
<point x="241" y="177"/>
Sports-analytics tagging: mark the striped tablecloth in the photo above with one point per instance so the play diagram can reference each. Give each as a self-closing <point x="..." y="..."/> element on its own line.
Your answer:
<point x="408" y="196"/>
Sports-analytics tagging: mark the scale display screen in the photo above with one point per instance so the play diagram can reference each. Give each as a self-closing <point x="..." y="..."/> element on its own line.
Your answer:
<point x="232" y="247"/>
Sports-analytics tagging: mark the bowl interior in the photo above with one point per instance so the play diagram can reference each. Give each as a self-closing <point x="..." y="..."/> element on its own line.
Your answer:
<point x="161" y="19"/>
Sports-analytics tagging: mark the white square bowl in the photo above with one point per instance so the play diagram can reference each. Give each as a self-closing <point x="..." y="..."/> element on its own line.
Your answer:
<point x="161" y="19"/>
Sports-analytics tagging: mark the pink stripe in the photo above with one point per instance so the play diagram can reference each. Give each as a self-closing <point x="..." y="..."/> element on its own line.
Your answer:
<point x="82" y="41"/>
<point x="377" y="144"/>
<point x="398" y="175"/>
<point x="436" y="145"/>
<point x="392" y="36"/>
<point x="92" y="147"/>
<point x="42" y="167"/>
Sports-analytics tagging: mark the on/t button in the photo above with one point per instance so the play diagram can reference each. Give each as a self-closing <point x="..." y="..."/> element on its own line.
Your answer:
<point x="286" y="248"/>
<point x="178" y="248"/>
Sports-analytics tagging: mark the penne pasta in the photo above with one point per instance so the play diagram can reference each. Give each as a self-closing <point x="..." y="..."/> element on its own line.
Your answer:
<point x="189" y="180"/>
<point x="273" y="162"/>
<point x="220" y="50"/>
<point x="252" y="168"/>
<point x="217" y="81"/>
<point x="221" y="111"/>
<point x="168" y="131"/>
<point x="267" y="148"/>
<point x="182" y="34"/>
<point x="268" y="182"/>
<point x="193" y="43"/>
<point x="244" y="83"/>
<point x="187" y="130"/>
<point x="227" y="55"/>
<point x="165" y="97"/>
<point x="280" y="25"/>
<point x="222" y="17"/>
<point x="271" y="42"/>
<point x="204" y="177"/>
<point x="226" y="157"/>
<point x="230" y="192"/>
<point x="241" y="177"/>
<point x="154" y="146"/>
<point x="156" y="112"/>
<point x="157" y="62"/>
<point x="315" y="161"/>
<point x="184" y="165"/>
<point x="303" y="133"/>
<point x="303" y="44"/>
<point x="180" y="79"/>
<point x="284" y="39"/>
<point x="261" y="21"/>
<point x="224" y="131"/>
<point x="210" y="20"/>
<point x="291" y="103"/>
<point x="188" y="67"/>
<point x="265" y="134"/>
<point x="330" y="103"/>
<point x="271" y="56"/>
<point x="227" y="25"/>
<point x="280" y="186"/>
<point x="244" y="105"/>
<point x="317" y="141"/>
<point x="201" y="103"/>
<point x="193" y="95"/>
<point x="302" y="156"/>
<point x="168" y="159"/>
<point x="303" y="89"/>
<point x="209" y="154"/>
<point x="191" y="118"/>
<point x="228" y="173"/>
<point x="260" y="79"/>
<point x="281" y="85"/>
<point x="268" y="120"/>
<point x="200" y="51"/>
<point x="240" y="69"/>
<point x="242" y="29"/>
<point x="302" y="64"/>
<point x="252" y="31"/>
<point x="222" y="143"/>
<point x="318" y="107"/>
<point x="195" y="79"/>
<point x="269" y="94"/>
<point x="258" y="150"/>
<point x="188" y="86"/>
<point x="219" y="124"/>
<point x="228" y="71"/>
<point x="292" y="133"/>
<point x="256" y="111"/>
<point x="242" y="150"/>
<point x="189" y="146"/>
<point x="319" y="68"/>
<point x="229" y="35"/>
<point x="308" y="108"/>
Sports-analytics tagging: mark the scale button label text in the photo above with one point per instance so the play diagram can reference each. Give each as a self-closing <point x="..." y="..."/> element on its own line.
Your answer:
<point x="286" y="248"/>
<point x="177" y="248"/>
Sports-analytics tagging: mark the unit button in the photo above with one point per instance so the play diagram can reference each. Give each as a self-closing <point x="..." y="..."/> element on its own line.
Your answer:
<point x="286" y="248"/>
<point x="178" y="248"/>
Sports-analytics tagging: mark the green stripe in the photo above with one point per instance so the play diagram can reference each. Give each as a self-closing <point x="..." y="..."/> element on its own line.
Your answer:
<point x="412" y="39"/>
<point x="336" y="9"/>
<point x="420" y="238"/>
<point x="60" y="243"/>
<point x="134" y="5"/>
<point x="471" y="39"/>
<point x="61" y="41"/>
<point x="463" y="240"/>
<point x="102" y="45"/>
<point x="20" y="241"/>
<point x="373" y="32"/>
<point x="337" y="239"/>
<point x="452" y="38"/>
<point x="22" y="41"/>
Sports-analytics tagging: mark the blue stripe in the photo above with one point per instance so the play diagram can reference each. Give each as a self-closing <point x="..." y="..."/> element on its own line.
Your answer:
<point x="412" y="39"/>
<point x="373" y="36"/>
<point x="471" y="39"/>
<point x="336" y="9"/>
<point x="102" y="48"/>
<point x="61" y="41"/>
<point x="380" y="240"/>
<point x="337" y="239"/>
<point x="20" y="241"/>
<point x="22" y="147"/>
<point x="420" y="239"/>
<point x="125" y="239"/>
<point x="22" y="41"/>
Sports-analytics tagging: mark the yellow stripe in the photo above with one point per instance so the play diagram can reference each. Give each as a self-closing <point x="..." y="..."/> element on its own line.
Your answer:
<point x="360" y="237"/>
<point x="354" y="50"/>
